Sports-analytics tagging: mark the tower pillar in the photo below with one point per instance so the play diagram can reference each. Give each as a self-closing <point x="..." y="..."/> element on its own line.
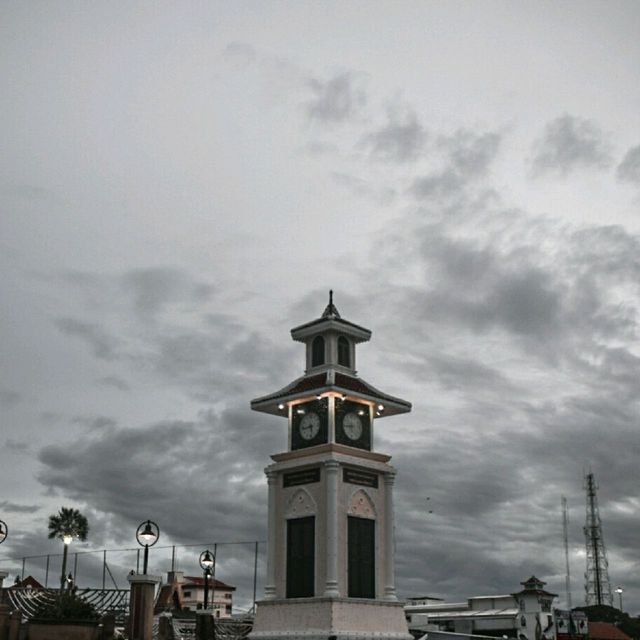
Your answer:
<point x="270" y="587"/>
<point x="389" y="551"/>
<point x="331" y="583"/>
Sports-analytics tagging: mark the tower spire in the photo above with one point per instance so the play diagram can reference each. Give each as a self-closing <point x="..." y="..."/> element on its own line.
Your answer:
<point x="331" y="311"/>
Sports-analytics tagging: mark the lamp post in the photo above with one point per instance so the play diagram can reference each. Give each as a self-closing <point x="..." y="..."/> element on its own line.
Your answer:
<point x="67" y="538"/>
<point x="3" y="531"/>
<point x="147" y="535"/>
<point x="619" y="591"/>
<point x="207" y="561"/>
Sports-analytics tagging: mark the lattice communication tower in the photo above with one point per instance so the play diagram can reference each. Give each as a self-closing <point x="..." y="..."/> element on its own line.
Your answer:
<point x="597" y="584"/>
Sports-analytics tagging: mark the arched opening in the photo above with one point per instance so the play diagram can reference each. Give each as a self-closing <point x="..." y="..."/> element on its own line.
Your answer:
<point x="317" y="351"/>
<point x="344" y="352"/>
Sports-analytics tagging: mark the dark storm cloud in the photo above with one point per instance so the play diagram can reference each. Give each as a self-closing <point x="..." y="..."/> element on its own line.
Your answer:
<point x="401" y="139"/>
<point x="569" y="143"/>
<point x="517" y="340"/>
<point x="338" y="99"/>
<point x="629" y="169"/>
<point x="215" y="461"/>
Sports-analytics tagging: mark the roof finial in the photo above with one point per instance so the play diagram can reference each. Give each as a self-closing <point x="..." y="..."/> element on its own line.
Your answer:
<point x="331" y="311"/>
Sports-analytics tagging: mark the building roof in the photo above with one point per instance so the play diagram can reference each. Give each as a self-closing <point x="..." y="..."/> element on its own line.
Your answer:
<point x="330" y="381"/>
<point x="534" y="586"/>
<point x="510" y="612"/>
<point x="198" y="581"/>
<point x="330" y="320"/>
<point x="606" y="631"/>
<point x="29" y="581"/>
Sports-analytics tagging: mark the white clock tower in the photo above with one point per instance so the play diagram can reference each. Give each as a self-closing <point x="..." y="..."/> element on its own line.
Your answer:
<point x="330" y="565"/>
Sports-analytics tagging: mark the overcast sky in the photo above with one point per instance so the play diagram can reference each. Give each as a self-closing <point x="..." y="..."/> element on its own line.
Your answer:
<point x="182" y="183"/>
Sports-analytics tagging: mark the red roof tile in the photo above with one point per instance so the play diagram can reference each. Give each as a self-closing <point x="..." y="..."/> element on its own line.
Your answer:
<point x="606" y="631"/>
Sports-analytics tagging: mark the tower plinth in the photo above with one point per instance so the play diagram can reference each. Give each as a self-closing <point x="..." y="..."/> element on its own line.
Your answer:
<point x="330" y="565"/>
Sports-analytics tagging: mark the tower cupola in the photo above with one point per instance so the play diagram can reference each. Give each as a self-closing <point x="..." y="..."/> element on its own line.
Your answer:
<point x="330" y="341"/>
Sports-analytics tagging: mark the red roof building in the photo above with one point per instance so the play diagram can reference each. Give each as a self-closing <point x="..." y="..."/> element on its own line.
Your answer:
<point x="606" y="631"/>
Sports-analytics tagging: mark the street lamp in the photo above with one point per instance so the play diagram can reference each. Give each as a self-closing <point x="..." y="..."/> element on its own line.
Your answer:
<point x="207" y="561"/>
<point x="67" y="539"/>
<point x="620" y="591"/>
<point x="3" y="531"/>
<point x="147" y="534"/>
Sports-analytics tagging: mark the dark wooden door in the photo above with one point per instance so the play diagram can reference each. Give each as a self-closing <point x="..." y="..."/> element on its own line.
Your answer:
<point x="301" y="557"/>
<point x="361" y="541"/>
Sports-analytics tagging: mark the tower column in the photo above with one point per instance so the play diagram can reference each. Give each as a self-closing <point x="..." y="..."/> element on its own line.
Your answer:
<point x="270" y="587"/>
<point x="331" y="558"/>
<point x="389" y="543"/>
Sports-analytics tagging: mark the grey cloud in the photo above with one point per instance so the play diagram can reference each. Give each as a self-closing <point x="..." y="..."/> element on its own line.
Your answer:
<point x="154" y="288"/>
<point x="338" y="99"/>
<point x="569" y="143"/>
<point x="102" y="344"/>
<point x="13" y="507"/>
<point x="18" y="446"/>
<point x="9" y="398"/>
<point x="402" y="139"/>
<point x="94" y="422"/>
<point x="442" y="184"/>
<point x="216" y="461"/>
<point x="470" y="153"/>
<point x="629" y="169"/>
<point x="363" y="188"/>
<point x="467" y="159"/>
<point x="115" y="382"/>
<point x="240" y="52"/>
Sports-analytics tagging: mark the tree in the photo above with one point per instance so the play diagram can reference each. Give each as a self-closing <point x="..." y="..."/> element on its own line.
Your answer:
<point x="66" y="525"/>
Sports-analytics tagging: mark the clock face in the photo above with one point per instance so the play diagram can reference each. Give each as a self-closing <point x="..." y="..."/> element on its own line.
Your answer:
<point x="352" y="425"/>
<point x="309" y="425"/>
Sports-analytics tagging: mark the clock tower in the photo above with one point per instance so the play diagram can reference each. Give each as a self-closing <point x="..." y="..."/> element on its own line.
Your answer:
<point x="330" y="556"/>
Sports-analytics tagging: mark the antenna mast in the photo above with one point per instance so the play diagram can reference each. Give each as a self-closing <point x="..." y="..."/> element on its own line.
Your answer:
<point x="565" y="535"/>
<point x="597" y="585"/>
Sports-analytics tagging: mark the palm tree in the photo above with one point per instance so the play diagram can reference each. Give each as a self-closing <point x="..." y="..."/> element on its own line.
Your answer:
<point x="66" y="525"/>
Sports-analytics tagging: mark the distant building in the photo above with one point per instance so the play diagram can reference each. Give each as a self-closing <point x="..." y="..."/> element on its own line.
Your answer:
<point x="186" y="593"/>
<point x="524" y="615"/>
<point x="28" y="583"/>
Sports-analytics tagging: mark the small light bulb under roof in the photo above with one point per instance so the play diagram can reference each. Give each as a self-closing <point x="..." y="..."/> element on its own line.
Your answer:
<point x="361" y="412"/>
<point x="281" y="406"/>
<point x="300" y="411"/>
<point x="380" y="407"/>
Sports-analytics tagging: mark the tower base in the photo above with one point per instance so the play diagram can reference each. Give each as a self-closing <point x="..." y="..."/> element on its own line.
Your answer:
<point x="326" y="618"/>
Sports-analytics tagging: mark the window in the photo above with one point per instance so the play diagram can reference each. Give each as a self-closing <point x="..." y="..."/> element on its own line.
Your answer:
<point x="344" y="355"/>
<point x="186" y="594"/>
<point x="317" y="351"/>
<point x="301" y="557"/>
<point x="361" y="561"/>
